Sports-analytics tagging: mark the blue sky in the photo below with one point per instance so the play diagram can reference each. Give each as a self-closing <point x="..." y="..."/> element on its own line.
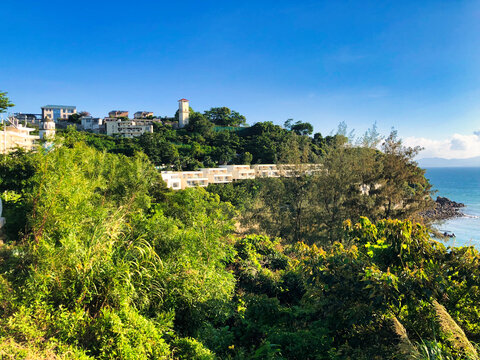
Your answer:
<point x="412" y="65"/>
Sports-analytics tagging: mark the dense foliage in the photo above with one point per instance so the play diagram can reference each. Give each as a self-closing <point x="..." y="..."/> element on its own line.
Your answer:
<point x="107" y="263"/>
<point x="99" y="260"/>
<point x="218" y="136"/>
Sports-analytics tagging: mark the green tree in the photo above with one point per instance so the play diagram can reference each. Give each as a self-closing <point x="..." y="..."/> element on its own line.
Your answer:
<point x="200" y="124"/>
<point x="4" y="102"/>
<point x="223" y="116"/>
<point x="299" y="127"/>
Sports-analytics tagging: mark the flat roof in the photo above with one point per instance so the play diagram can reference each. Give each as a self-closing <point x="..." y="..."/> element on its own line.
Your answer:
<point x="59" y="106"/>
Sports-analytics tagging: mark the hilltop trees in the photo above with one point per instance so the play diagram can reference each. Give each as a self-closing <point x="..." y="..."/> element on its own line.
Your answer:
<point x="350" y="182"/>
<point x="223" y="116"/>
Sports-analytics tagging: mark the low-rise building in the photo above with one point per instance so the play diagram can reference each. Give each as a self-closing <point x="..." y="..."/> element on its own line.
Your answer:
<point x="240" y="172"/>
<point x="183" y="179"/>
<point x="193" y="178"/>
<point x="47" y="129"/>
<point x="227" y="173"/>
<point x="266" y="170"/>
<point x="217" y="175"/>
<point x="14" y="136"/>
<point x="92" y="124"/>
<point x="58" y="112"/>
<point x="127" y="128"/>
<point x="173" y="179"/>
<point x="118" y="114"/>
<point x="142" y="114"/>
<point x="28" y="118"/>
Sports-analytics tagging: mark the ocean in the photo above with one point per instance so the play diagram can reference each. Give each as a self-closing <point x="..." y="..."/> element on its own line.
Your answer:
<point x="460" y="185"/>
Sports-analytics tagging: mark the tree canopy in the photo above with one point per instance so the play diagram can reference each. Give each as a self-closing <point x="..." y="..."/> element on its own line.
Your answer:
<point x="5" y="102"/>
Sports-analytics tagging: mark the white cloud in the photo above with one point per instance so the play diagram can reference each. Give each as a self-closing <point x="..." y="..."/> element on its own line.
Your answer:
<point x="455" y="147"/>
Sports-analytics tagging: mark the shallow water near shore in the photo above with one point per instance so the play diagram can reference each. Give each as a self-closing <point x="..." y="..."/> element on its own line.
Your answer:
<point x="460" y="185"/>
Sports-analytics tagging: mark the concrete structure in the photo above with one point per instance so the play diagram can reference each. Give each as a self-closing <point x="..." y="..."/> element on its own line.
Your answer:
<point x="266" y="170"/>
<point x="225" y="174"/>
<point x="28" y="118"/>
<point x="58" y="112"/>
<point x="177" y="180"/>
<point x="92" y="124"/>
<point x="47" y="129"/>
<point x="183" y="113"/>
<point x="240" y="172"/>
<point x="17" y="135"/>
<point x="217" y="175"/>
<point x="118" y="114"/>
<point x="127" y="128"/>
<point x="142" y="114"/>
<point x="173" y="179"/>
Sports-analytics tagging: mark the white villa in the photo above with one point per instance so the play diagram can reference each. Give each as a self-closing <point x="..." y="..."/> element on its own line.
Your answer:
<point x="16" y="135"/>
<point x="225" y="174"/>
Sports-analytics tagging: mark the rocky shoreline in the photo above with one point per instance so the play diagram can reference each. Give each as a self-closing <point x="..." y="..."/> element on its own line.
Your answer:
<point x="445" y="209"/>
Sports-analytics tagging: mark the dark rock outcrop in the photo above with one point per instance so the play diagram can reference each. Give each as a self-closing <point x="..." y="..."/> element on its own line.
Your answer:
<point x="444" y="209"/>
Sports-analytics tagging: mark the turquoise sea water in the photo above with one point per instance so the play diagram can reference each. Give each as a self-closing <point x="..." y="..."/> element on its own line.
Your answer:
<point x="460" y="185"/>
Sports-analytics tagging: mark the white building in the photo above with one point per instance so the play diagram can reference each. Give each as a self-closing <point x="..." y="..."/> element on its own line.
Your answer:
<point x="183" y="113"/>
<point x="173" y="179"/>
<point x="90" y="123"/>
<point x="240" y="172"/>
<point x="227" y="173"/>
<point x="127" y="128"/>
<point x="47" y="129"/>
<point x="266" y="170"/>
<point x="217" y="175"/>
<point x="182" y="179"/>
<point x="16" y="135"/>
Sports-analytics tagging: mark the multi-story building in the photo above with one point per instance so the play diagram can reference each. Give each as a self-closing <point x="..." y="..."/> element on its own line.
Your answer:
<point x="92" y="124"/>
<point x="142" y="114"/>
<point x="17" y="135"/>
<point x="28" y="118"/>
<point x="127" y="128"/>
<point x="240" y="172"/>
<point x="58" y="112"/>
<point x="118" y="114"/>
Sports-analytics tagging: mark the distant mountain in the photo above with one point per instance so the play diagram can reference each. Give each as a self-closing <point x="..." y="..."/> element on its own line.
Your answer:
<point x="439" y="162"/>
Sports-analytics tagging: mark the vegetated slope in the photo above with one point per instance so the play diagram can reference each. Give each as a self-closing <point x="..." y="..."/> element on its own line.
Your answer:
<point x="102" y="261"/>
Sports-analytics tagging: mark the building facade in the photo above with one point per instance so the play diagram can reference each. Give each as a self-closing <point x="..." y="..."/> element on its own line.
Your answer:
<point x="127" y="128"/>
<point x="183" y="113"/>
<point x="225" y="174"/>
<point x="58" y="112"/>
<point x="118" y="114"/>
<point x="142" y="114"/>
<point x="28" y="118"/>
<point x="240" y="172"/>
<point x="95" y="125"/>
<point x="15" y="136"/>
<point x="47" y="129"/>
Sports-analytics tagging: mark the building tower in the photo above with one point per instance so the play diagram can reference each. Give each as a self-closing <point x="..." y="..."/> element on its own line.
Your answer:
<point x="47" y="129"/>
<point x="183" y="113"/>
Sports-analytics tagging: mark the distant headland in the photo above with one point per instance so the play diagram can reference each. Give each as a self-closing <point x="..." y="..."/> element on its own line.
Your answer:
<point x="440" y="162"/>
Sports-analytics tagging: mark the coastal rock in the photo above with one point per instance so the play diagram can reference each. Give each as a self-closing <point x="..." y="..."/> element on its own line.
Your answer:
<point x="444" y="209"/>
